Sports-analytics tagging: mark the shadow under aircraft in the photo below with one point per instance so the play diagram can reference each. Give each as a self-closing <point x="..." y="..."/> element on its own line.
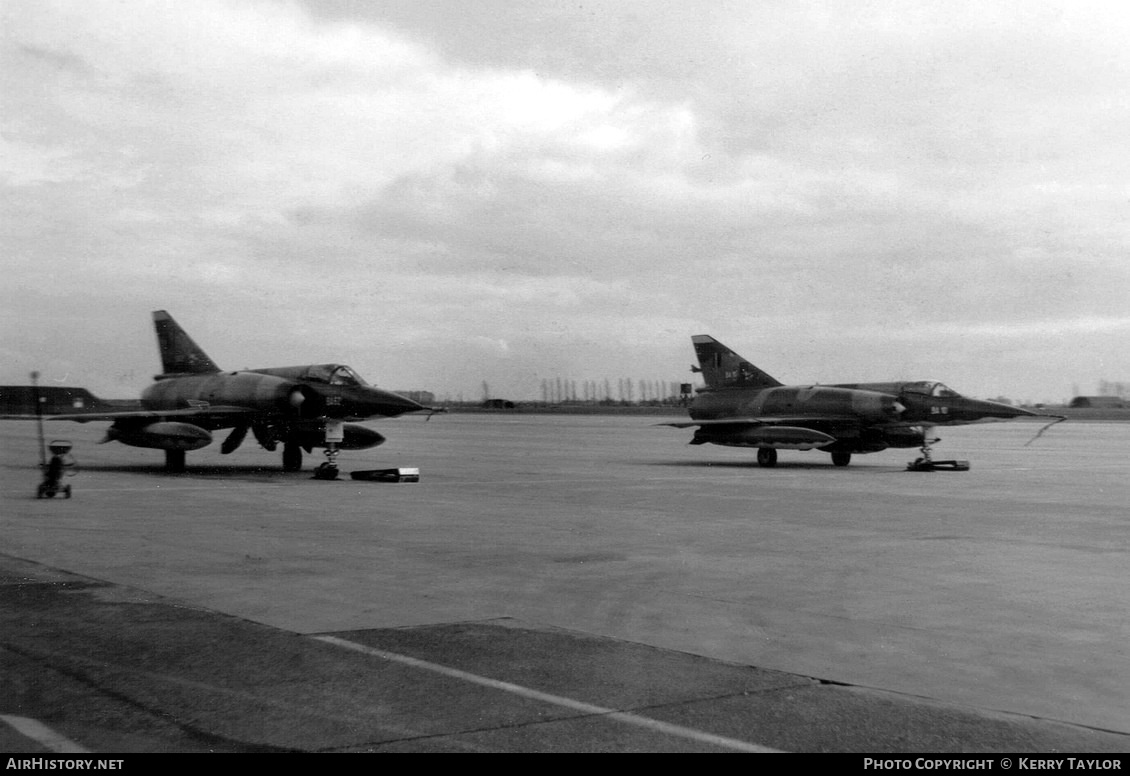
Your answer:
<point x="299" y="407"/>
<point x="742" y="406"/>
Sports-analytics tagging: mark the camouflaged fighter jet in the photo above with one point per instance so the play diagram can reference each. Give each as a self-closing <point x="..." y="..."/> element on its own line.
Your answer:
<point x="301" y="407"/>
<point x="742" y="406"/>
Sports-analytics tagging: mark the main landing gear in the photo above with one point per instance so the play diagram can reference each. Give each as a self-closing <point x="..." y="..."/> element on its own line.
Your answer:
<point x="174" y="461"/>
<point x="291" y="456"/>
<point x="767" y="457"/>
<point x="926" y="462"/>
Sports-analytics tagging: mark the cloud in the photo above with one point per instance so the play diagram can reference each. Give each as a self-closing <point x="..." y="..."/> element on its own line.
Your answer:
<point x="588" y="184"/>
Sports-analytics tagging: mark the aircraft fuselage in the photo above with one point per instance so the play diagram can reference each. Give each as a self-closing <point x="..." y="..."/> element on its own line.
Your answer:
<point x="817" y="401"/>
<point x="932" y="404"/>
<point x="228" y="389"/>
<point x="271" y="394"/>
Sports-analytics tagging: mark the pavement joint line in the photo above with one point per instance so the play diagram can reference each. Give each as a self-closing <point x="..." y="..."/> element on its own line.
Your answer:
<point x="556" y="700"/>
<point x="40" y="733"/>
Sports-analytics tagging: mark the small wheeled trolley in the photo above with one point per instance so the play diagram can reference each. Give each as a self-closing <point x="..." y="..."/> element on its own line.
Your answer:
<point x="60" y="465"/>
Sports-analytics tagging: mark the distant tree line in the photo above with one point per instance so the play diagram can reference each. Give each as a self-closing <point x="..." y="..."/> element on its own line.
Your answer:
<point x="1108" y="388"/>
<point x="625" y="391"/>
<point x="560" y="390"/>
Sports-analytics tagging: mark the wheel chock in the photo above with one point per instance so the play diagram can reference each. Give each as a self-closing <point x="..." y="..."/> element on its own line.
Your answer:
<point x="924" y="465"/>
<point x="401" y="474"/>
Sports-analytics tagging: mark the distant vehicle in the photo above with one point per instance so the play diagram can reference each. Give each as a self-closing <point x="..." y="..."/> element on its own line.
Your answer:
<point x="301" y="407"/>
<point x="742" y="406"/>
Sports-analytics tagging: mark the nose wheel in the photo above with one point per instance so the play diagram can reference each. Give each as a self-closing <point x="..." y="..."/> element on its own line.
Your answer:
<point x="327" y="470"/>
<point x="334" y="431"/>
<point x="927" y="463"/>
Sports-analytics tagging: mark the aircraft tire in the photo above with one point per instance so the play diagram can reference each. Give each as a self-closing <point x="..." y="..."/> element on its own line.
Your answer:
<point x="841" y="459"/>
<point x="766" y="456"/>
<point x="326" y="471"/>
<point x="292" y="457"/>
<point x="174" y="461"/>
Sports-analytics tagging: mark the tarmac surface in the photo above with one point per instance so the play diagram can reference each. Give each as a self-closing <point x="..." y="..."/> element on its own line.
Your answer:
<point x="569" y="583"/>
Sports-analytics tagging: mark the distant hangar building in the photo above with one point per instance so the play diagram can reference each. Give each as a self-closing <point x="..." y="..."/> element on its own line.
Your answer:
<point x="1100" y="402"/>
<point x="55" y="400"/>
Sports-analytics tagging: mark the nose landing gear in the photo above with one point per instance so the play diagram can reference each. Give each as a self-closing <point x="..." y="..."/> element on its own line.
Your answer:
<point x="328" y="470"/>
<point x="335" y="435"/>
<point x="926" y="462"/>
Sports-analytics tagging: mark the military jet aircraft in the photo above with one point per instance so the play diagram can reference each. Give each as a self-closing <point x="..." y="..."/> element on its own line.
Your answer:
<point x="300" y="406"/>
<point x="742" y="406"/>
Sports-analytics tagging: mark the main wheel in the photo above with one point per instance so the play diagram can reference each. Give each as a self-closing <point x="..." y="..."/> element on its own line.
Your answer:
<point x="291" y="457"/>
<point x="766" y="456"/>
<point x="174" y="461"/>
<point x="841" y="459"/>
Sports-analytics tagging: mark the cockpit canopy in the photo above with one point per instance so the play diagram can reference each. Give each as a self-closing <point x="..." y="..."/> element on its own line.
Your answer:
<point x="333" y="374"/>
<point x="930" y="388"/>
<point x="326" y="374"/>
<point x="918" y="388"/>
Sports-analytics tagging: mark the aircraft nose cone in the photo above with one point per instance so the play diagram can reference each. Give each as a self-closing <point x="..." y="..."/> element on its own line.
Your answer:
<point x="992" y="409"/>
<point x="389" y="404"/>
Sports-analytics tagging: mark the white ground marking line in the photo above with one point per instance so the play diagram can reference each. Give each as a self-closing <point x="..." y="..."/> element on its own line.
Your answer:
<point x="556" y="700"/>
<point x="37" y="731"/>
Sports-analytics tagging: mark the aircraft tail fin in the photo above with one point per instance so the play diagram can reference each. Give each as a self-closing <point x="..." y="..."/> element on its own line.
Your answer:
<point x="723" y="368"/>
<point x="179" y="354"/>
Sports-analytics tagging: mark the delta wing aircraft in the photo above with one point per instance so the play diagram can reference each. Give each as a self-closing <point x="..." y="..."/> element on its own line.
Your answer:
<point x="742" y="406"/>
<point x="301" y="407"/>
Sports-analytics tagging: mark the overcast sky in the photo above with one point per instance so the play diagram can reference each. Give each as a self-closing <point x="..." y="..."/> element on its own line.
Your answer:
<point x="445" y="193"/>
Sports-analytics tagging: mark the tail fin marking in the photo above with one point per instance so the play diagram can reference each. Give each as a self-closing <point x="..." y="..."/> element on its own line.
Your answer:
<point x="723" y="368"/>
<point x="179" y="354"/>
